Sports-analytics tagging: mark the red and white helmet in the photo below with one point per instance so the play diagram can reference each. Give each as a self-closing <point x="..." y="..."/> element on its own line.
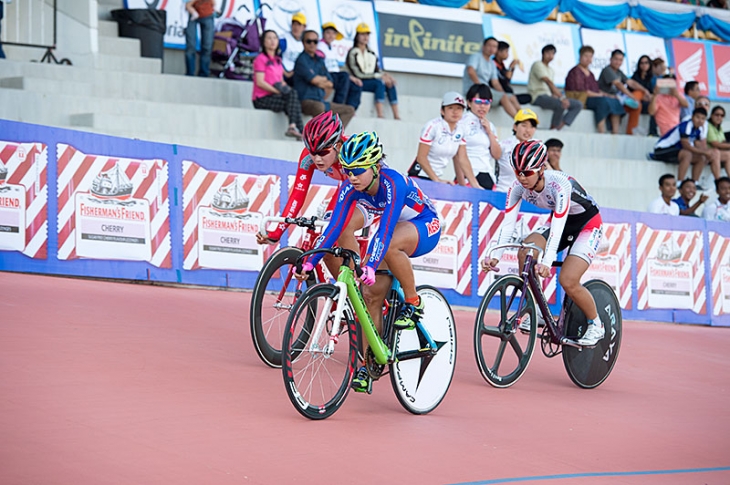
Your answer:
<point x="322" y="132"/>
<point x="529" y="155"/>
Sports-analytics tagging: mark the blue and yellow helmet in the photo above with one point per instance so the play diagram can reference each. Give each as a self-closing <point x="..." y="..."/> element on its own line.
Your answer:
<point x="362" y="150"/>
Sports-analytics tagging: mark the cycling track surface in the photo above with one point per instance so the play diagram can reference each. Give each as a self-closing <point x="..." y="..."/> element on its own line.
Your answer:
<point x="116" y="383"/>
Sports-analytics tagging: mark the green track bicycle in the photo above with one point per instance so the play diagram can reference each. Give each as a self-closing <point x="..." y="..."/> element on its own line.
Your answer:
<point x="320" y="344"/>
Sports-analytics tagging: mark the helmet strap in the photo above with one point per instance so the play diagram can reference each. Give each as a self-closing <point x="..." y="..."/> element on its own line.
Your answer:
<point x="539" y="178"/>
<point x="375" y="178"/>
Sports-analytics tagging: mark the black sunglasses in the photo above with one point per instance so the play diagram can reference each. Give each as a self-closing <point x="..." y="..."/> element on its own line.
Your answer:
<point x="311" y="41"/>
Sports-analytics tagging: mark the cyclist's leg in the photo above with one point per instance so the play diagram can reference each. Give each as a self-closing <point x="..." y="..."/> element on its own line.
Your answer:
<point x="570" y="274"/>
<point x="538" y="238"/>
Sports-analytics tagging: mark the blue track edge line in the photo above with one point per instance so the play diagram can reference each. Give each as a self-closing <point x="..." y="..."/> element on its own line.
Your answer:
<point x="598" y="474"/>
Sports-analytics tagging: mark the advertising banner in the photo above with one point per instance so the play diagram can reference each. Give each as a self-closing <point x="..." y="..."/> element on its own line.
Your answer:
<point x="449" y="264"/>
<point x="177" y="16"/>
<point x="670" y="269"/>
<point x="278" y="16"/>
<point x="222" y="213"/>
<point x="638" y="44"/>
<point x="720" y="272"/>
<point x="612" y="263"/>
<point x="346" y="15"/>
<point x="490" y="219"/>
<point x="24" y="198"/>
<point x="526" y="45"/>
<point x="427" y="40"/>
<point x="690" y="60"/>
<point x="604" y="42"/>
<point x="112" y="208"/>
<point x="721" y="55"/>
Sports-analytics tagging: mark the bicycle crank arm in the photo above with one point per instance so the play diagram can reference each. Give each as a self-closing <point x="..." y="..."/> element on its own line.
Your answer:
<point x="573" y="343"/>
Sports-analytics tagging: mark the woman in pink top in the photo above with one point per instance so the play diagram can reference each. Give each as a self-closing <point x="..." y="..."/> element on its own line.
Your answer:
<point x="269" y="90"/>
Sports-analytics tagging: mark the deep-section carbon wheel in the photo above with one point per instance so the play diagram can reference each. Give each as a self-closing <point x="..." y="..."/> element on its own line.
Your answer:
<point x="502" y="350"/>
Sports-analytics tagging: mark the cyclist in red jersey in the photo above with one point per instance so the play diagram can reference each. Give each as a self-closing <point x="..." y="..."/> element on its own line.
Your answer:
<point x="323" y="137"/>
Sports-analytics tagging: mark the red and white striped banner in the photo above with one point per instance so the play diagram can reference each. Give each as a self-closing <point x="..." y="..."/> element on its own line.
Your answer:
<point x="670" y="269"/>
<point x="720" y="260"/>
<point x="490" y="219"/>
<point x="24" y="198"/>
<point x="612" y="263"/>
<point x="222" y="212"/>
<point x="112" y="208"/>
<point x="318" y="197"/>
<point x="449" y="264"/>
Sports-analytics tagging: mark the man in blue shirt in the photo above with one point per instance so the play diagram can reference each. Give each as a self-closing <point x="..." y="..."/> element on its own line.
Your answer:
<point x="313" y="82"/>
<point x="687" y="192"/>
<point x="686" y="143"/>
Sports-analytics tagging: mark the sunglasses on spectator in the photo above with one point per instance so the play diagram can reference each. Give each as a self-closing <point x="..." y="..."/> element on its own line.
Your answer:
<point x="311" y="41"/>
<point x="321" y="153"/>
<point x="481" y="101"/>
<point x="525" y="173"/>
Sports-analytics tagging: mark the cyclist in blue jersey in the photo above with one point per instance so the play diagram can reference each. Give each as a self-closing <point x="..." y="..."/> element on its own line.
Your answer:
<point x="409" y="227"/>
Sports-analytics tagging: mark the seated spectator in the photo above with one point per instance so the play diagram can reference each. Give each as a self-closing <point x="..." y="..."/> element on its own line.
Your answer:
<point x="269" y="89"/>
<point x="363" y="64"/>
<point x="687" y="192"/>
<point x="201" y="13"/>
<point x="719" y="209"/>
<point x="716" y="137"/>
<point x="554" y="152"/>
<point x="644" y="75"/>
<point x="523" y="129"/>
<point x="505" y="95"/>
<point x="692" y="92"/>
<point x="615" y="83"/>
<point x="505" y="73"/>
<point x="482" y="145"/>
<point x="544" y="93"/>
<point x="582" y="85"/>
<point x="665" y="106"/>
<point x="717" y="4"/>
<point x="442" y="142"/>
<point x="480" y="67"/>
<point x="664" y="203"/>
<point x="347" y="87"/>
<point x="686" y="144"/>
<point x="313" y="83"/>
<point x="291" y="44"/>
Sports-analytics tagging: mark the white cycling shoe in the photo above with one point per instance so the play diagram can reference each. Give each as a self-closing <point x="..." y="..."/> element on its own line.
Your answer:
<point x="593" y="335"/>
<point x="525" y="323"/>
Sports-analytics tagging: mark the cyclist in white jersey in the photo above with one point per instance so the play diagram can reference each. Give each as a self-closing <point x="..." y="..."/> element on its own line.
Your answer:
<point x="575" y="223"/>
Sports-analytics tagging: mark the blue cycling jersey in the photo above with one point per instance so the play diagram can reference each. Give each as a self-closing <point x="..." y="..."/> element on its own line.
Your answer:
<point x="398" y="199"/>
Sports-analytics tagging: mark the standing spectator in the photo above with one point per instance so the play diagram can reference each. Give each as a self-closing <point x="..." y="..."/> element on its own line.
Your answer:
<point x="664" y="203"/>
<point x="201" y="13"/>
<point x="691" y="92"/>
<point x="291" y="45"/>
<point x="2" y="53"/>
<point x="544" y="93"/>
<point x="522" y="130"/>
<point x="509" y="101"/>
<point x="554" y="152"/>
<point x="580" y="84"/>
<point x="687" y="145"/>
<point x="442" y="142"/>
<point x="716" y="137"/>
<point x="348" y="88"/>
<point x="687" y="192"/>
<point x="615" y="83"/>
<point x="644" y="75"/>
<point x="482" y="145"/>
<point x="269" y="89"/>
<point x="719" y="210"/>
<point x="363" y="64"/>
<point x="312" y="82"/>
<point x="665" y="106"/>
<point x="480" y="67"/>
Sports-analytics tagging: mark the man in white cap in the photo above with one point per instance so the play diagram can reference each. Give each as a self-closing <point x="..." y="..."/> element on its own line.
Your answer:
<point x="291" y="44"/>
<point x="348" y="88"/>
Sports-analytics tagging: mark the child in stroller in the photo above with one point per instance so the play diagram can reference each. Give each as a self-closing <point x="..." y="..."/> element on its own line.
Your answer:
<point x="235" y="46"/>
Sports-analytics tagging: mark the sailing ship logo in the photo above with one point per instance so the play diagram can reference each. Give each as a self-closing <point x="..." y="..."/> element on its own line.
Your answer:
<point x="669" y="251"/>
<point x="603" y="247"/>
<point x="230" y="198"/>
<point x="112" y="184"/>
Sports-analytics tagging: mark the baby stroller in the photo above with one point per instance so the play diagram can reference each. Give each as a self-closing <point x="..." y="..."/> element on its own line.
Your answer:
<point x="235" y="46"/>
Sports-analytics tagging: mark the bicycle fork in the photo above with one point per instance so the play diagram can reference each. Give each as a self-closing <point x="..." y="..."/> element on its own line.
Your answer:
<point x="336" y="323"/>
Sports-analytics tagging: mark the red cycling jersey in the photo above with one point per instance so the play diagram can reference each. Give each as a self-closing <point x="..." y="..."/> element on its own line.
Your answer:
<point x="298" y="193"/>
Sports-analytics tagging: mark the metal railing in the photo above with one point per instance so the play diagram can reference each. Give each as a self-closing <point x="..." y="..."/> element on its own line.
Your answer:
<point x="32" y="23"/>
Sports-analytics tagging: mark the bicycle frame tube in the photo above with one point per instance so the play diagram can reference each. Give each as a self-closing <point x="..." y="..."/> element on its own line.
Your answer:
<point x="537" y="292"/>
<point x="381" y="352"/>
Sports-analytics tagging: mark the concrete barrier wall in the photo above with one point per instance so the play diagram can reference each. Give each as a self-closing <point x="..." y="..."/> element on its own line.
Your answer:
<point x="75" y="203"/>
